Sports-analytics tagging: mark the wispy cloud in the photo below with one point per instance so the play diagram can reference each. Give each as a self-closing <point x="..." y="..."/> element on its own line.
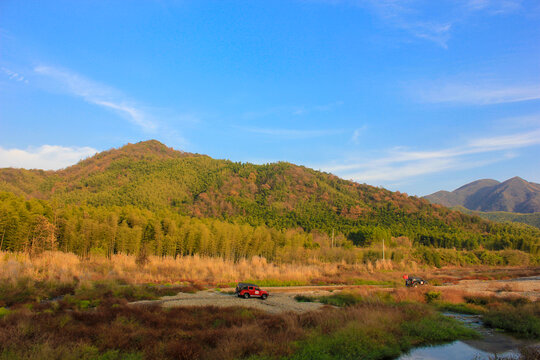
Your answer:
<point x="494" y="7"/>
<point x="291" y="133"/>
<point x="355" y="138"/>
<point x="46" y="157"/>
<point x="98" y="94"/>
<point x="15" y="76"/>
<point x="400" y="163"/>
<point x="409" y="17"/>
<point x="481" y="94"/>
<point x="430" y="20"/>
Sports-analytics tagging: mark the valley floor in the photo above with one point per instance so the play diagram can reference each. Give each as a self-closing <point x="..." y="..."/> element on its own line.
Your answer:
<point x="58" y="306"/>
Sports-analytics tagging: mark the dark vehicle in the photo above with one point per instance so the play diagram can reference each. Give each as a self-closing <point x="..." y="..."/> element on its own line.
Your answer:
<point x="414" y="281"/>
<point x="246" y="291"/>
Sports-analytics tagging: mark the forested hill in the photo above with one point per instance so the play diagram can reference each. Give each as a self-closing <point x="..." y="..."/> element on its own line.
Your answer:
<point x="159" y="180"/>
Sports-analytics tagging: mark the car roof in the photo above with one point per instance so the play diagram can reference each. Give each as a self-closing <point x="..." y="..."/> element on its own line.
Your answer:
<point x="246" y="284"/>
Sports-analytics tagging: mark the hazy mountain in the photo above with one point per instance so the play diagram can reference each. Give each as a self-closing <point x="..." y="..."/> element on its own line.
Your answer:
<point x="513" y="195"/>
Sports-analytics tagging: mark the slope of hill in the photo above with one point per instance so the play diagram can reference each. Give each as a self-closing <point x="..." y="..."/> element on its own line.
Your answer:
<point x="532" y="219"/>
<point x="148" y="190"/>
<point x="513" y="195"/>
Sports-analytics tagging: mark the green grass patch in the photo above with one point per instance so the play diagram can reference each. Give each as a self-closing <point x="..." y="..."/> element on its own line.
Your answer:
<point x="304" y="298"/>
<point x="3" y="312"/>
<point x="341" y="299"/>
<point x="523" y="321"/>
<point x="373" y="282"/>
<point x="269" y="283"/>
<point x="436" y="329"/>
<point x="385" y="340"/>
<point x="461" y="308"/>
<point x="353" y="341"/>
<point x="431" y="296"/>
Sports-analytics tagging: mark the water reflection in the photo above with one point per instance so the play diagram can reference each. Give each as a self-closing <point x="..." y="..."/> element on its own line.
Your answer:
<point x="491" y="343"/>
<point x="454" y="351"/>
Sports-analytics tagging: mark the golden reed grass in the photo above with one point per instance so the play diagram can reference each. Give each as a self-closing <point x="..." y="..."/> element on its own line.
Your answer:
<point x="64" y="267"/>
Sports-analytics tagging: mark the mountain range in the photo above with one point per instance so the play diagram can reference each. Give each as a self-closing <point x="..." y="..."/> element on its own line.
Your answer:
<point x="513" y="195"/>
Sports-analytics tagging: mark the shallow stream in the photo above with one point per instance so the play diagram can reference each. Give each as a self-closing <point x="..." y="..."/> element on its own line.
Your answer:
<point x="491" y="343"/>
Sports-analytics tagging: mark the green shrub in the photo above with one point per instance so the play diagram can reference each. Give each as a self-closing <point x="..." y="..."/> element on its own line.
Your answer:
<point x="341" y="299"/>
<point x="3" y="312"/>
<point x="460" y="308"/>
<point x="436" y="329"/>
<point x="432" y="296"/>
<point x="303" y="298"/>
<point x="523" y="321"/>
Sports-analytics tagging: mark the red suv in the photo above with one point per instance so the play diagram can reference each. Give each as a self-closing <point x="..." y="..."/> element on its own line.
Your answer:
<point x="250" y="290"/>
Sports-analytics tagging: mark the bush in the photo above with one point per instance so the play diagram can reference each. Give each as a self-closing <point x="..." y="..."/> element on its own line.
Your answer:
<point x="3" y="312"/>
<point x="460" y="308"/>
<point x="432" y="296"/>
<point x="523" y="321"/>
<point x="303" y="298"/>
<point x="341" y="299"/>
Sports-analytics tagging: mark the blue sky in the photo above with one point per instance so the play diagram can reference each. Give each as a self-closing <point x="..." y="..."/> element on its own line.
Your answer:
<point x="415" y="96"/>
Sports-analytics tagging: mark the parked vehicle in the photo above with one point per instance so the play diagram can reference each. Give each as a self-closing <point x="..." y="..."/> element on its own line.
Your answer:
<point x="414" y="281"/>
<point x="246" y="291"/>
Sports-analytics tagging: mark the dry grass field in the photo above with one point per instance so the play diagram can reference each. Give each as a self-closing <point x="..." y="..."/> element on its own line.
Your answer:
<point x="210" y="271"/>
<point x="58" y="305"/>
<point x="64" y="267"/>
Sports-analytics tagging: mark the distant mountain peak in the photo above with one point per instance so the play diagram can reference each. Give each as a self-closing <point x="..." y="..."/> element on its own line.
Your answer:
<point x="479" y="183"/>
<point x="512" y="195"/>
<point x="516" y="180"/>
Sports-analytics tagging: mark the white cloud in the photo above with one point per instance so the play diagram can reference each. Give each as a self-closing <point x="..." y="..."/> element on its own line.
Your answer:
<point x="400" y="163"/>
<point x="98" y="94"/>
<point x="480" y="94"/>
<point x="46" y="157"/>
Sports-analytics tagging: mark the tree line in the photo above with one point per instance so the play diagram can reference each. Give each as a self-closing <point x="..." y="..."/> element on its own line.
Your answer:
<point x="37" y="225"/>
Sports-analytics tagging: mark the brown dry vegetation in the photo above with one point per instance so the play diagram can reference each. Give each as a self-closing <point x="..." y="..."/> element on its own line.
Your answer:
<point x="114" y="328"/>
<point x="64" y="267"/>
<point x="94" y="321"/>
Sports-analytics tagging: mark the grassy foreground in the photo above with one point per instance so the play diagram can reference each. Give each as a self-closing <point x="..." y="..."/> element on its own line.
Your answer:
<point x="58" y="306"/>
<point x="108" y="328"/>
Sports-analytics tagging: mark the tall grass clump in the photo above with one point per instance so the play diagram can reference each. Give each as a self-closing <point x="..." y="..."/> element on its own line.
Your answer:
<point x="374" y="330"/>
<point x="521" y="320"/>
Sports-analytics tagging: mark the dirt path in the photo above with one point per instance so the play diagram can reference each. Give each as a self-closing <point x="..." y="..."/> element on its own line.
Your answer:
<point x="528" y="287"/>
<point x="281" y="299"/>
<point x="275" y="303"/>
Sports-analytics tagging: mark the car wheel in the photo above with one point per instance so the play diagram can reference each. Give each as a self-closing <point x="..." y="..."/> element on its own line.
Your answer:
<point x="246" y="296"/>
<point x="264" y="296"/>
